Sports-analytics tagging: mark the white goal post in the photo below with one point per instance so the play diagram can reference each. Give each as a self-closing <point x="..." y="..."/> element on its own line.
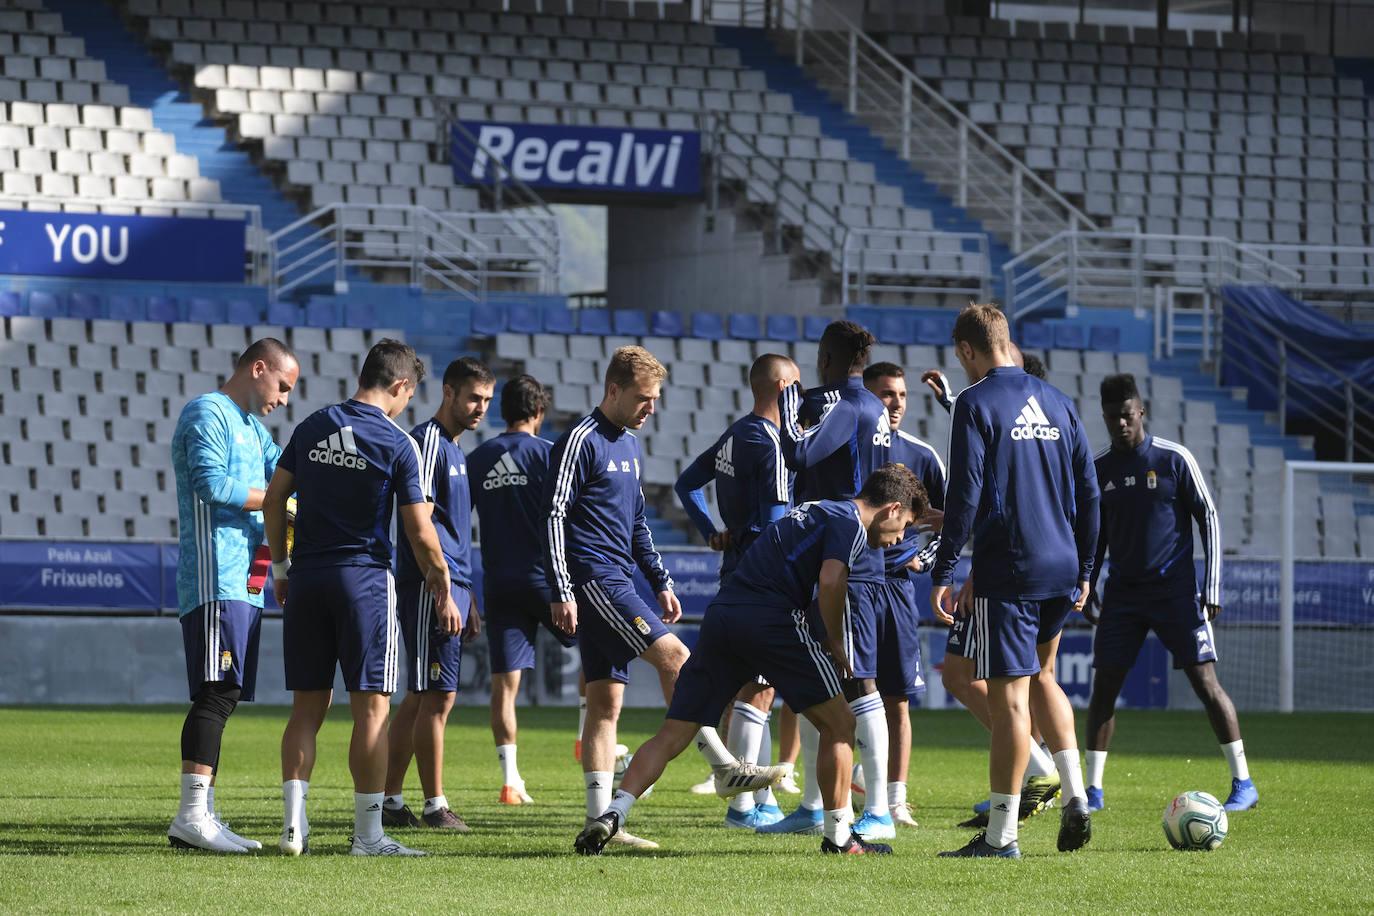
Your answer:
<point x="1333" y="531"/>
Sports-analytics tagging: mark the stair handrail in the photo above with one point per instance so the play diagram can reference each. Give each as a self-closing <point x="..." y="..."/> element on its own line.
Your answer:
<point x="802" y="13"/>
<point x="257" y="245"/>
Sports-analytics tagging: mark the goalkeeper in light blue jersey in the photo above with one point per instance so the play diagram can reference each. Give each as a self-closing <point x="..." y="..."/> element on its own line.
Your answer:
<point x="223" y="457"/>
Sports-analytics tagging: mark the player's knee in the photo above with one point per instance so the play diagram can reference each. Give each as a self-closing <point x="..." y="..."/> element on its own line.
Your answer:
<point x="200" y="735"/>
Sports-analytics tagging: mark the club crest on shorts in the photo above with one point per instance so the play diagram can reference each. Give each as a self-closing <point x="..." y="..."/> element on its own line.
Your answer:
<point x="1150" y="480"/>
<point x="642" y="625"/>
<point x="226" y="660"/>
<point x="434" y="671"/>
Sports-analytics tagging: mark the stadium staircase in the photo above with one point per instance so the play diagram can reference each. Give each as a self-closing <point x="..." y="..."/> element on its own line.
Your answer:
<point x="757" y="52"/>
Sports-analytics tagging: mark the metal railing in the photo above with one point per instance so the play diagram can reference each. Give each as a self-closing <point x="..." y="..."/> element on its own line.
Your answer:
<point x="1118" y="269"/>
<point x="921" y="126"/>
<point x="257" y="258"/>
<point x="1295" y="390"/>
<point x="885" y="260"/>
<point x="434" y="250"/>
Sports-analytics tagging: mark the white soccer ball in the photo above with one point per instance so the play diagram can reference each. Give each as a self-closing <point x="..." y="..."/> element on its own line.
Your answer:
<point x="1195" y="820"/>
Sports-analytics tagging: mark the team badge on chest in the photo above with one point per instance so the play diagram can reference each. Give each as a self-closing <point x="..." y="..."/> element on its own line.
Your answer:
<point x="1150" y="481"/>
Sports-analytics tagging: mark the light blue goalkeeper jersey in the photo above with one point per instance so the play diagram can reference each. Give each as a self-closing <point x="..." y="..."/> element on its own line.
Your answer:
<point x="219" y="453"/>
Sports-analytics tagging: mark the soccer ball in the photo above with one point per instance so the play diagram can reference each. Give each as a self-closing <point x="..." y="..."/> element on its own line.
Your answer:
<point x="622" y="763"/>
<point x="1195" y="820"/>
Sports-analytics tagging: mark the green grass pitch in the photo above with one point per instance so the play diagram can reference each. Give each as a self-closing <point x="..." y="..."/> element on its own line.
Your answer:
<point x="86" y="796"/>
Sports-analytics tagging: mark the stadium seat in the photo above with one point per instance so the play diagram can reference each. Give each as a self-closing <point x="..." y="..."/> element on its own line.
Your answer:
<point x="744" y="327"/>
<point x="205" y="311"/>
<point x="1035" y="335"/>
<point x="813" y="326"/>
<point x="559" y="319"/>
<point x="164" y="309"/>
<point x="359" y="315"/>
<point x="83" y="305"/>
<point x="240" y="311"/>
<point x="707" y="325"/>
<point x="321" y="313"/>
<point x="629" y="322"/>
<point x="126" y="308"/>
<point x="931" y="332"/>
<point x="895" y="328"/>
<point x="488" y="320"/>
<point x="10" y="304"/>
<point x="1104" y="339"/>
<point x="1068" y="336"/>
<point x="665" y="324"/>
<point x="781" y="327"/>
<point x="44" y="305"/>
<point x="523" y="318"/>
<point x="596" y="322"/>
<point x="284" y="314"/>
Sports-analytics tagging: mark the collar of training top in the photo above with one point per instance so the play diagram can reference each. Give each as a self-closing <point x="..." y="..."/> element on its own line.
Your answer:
<point x="605" y="426"/>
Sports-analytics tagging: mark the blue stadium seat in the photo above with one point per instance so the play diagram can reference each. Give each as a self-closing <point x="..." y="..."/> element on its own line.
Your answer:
<point x="9" y="303"/>
<point x="745" y="327"/>
<point x="163" y="308"/>
<point x="1036" y="336"/>
<point x="126" y="308"/>
<point x="932" y="332"/>
<point x="813" y="326"/>
<point x="1068" y="336"/>
<point x="629" y="322"/>
<point x="84" y="305"/>
<point x="781" y="327"/>
<point x="241" y="311"/>
<point x="1104" y="338"/>
<point x="205" y="311"/>
<point x="359" y="315"/>
<point x="44" y="305"/>
<point x="322" y="314"/>
<point x="523" y="318"/>
<point x="488" y="320"/>
<point x="284" y="314"/>
<point x="596" y="322"/>
<point x="707" y="325"/>
<point x="895" y="328"/>
<point x="665" y="324"/>
<point x="559" y="319"/>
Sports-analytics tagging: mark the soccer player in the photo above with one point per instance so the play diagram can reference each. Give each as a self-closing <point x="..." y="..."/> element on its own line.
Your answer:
<point x="433" y="658"/>
<point x="1021" y="475"/>
<point x="1152" y="492"/>
<point x="759" y="622"/>
<point x="222" y="457"/>
<point x="1041" y="782"/>
<point x="899" y="646"/>
<point x="847" y="438"/>
<point x="595" y="533"/>
<point x="509" y="473"/>
<point x="753" y="489"/>
<point x="347" y="463"/>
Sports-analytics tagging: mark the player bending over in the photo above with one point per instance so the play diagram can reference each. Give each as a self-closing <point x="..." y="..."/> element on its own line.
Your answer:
<point x="759" y="622"/>
<point x="1152" y="492"/>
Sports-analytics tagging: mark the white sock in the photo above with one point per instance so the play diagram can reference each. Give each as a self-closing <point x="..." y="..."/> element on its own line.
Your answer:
<point x="836" y="826"/>
<point x="896" y="794"/>
<point x="764" y="796"/>
<point x="1070" y="774"/>
<point x="581" y="717"/>
<point x="294" y="793"/>
<point x="394" y="802"/>
<point x="1002" y="818"/>
<point x="598" y="793"/>
<point x="870" y="737"/>
<point x="367" y="816"/>
<point x="621" y="804"/>
<point x="510" y="773"/>
<point x="437" y="803"/>
<point x="195" y="790"/>
<point x="1040" y="762"/>
<point x="1097" y="763"/>
<point x="746" y="732"/>
<point x="712" y="748"/>
<point x="810" y="744"/>
<point x="1235" y="756"/>
<point x="210" y="802"/>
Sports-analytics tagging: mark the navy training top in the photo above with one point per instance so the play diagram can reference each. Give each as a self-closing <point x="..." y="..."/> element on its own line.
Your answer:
<point x="444" y="479"/>
<point x="508" y="474"/>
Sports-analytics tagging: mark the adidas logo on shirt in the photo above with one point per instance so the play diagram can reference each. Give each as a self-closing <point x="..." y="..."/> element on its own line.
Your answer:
<point x="506" y="473"/>
<point x="1033" y="424"/>
<point x="725" y="458"/>
<point x="339" y="450"/>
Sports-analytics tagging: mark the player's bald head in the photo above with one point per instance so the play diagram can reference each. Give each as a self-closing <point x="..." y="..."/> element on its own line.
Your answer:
<point x="768" y="370"/>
